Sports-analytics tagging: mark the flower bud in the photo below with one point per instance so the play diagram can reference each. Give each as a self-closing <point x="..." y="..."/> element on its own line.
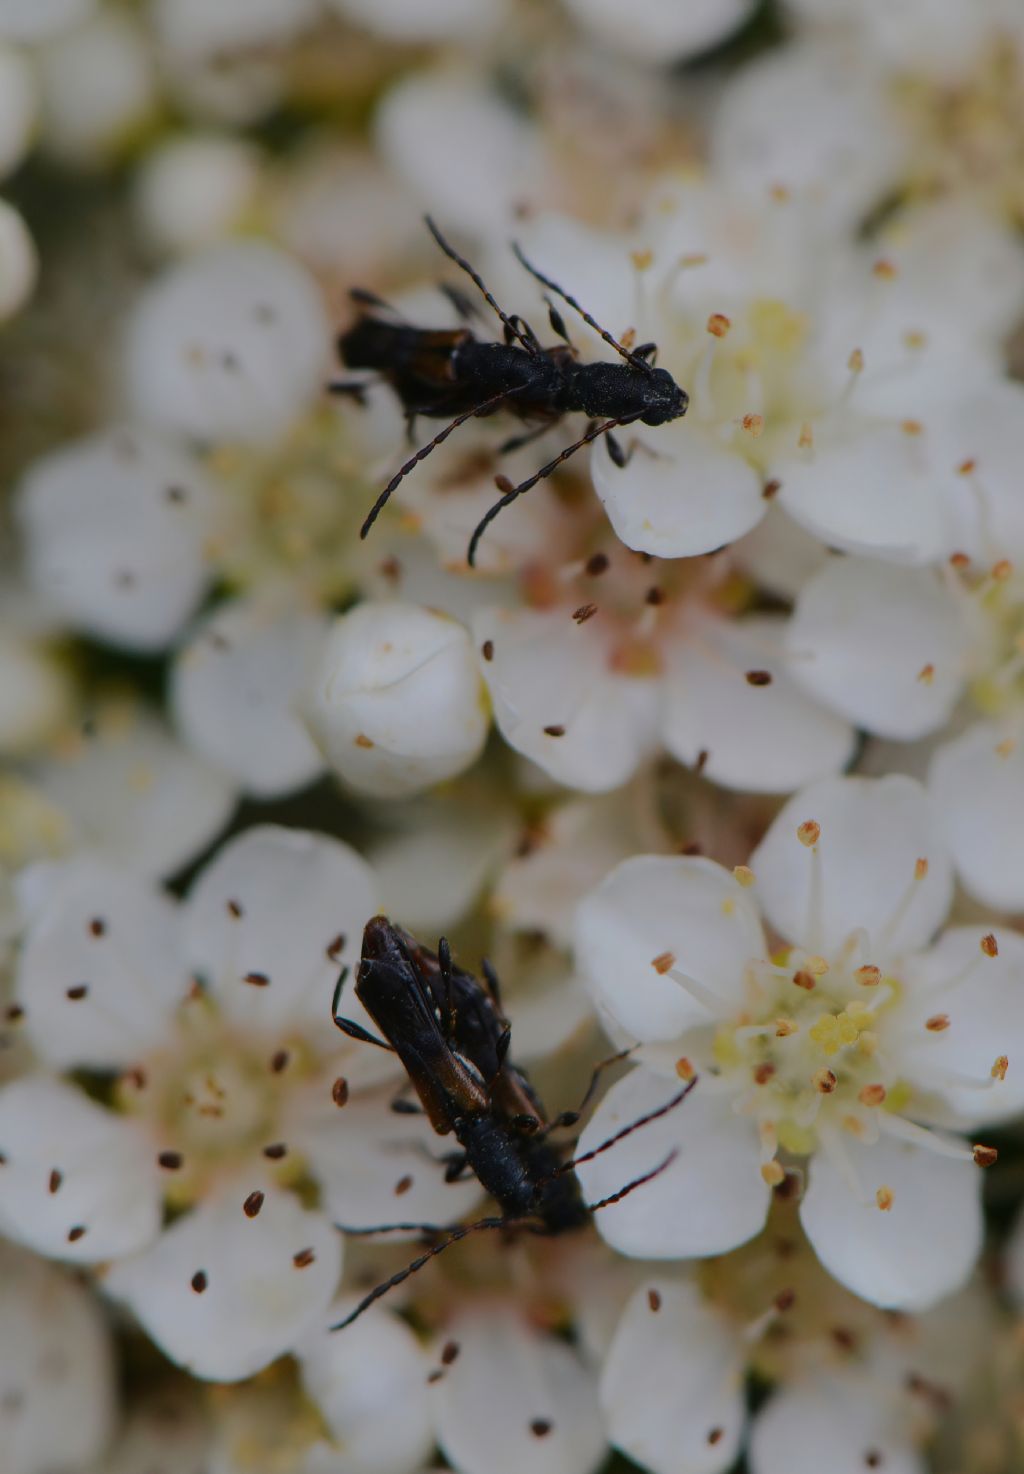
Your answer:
<point x="397" y="702"/>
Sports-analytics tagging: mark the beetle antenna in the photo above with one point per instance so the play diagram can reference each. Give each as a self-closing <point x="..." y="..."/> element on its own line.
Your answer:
<point x="512" y="492"/>
<point x="643" y="1120"/>
<point x="634" y="359"/>
<point x="416" y="1264"/>
<point x="425" y="450"/>
<point x="526" y="338"/>
<point x="624" y="1192"/>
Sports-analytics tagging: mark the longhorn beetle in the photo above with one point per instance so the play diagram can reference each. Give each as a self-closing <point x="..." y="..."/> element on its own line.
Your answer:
<point x="448" y="373"/>
<point x="450" y="1035"/>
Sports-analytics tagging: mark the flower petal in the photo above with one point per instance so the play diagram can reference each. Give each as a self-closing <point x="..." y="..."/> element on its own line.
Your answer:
<point x="515" y="1398"/>
<point x="114" y="528"/>
<point x="977" y="781"/>
<point x="886" y="647"/>
<point x="375" y="1166"/>
<point x="98" y="974"/>
<point x="982" y="997"/>
<point x="272" y="919"/>
<point x="842" y="1423"/>
<point x="79" y="1183"/>
<point x="688" y="911"/>
<point x="57" y="1382"/>
<point x="358" y="1378"/>
<point x="863" y="872"/>
<point x="698" y="1429"/>
<point x="658" y="31"/>
<point x="558" y="700"/>
<point x="710" y="1195"/>
<point x="911" y="1255"/>
<point x="765" y="736"/>
<point x="222" y="1293"/>
<point x="234" y="689"/>
<point x="691" y="496"/>
<point x="135" y="794"/>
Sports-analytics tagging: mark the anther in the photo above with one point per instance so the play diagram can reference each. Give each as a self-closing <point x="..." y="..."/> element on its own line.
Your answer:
<point x="771" y="489"/>
<point x="654" y="1300"/>
<point x="487" y="649"/>
<point x="868" y="976"/>
<point x="809" y="833"/>
<point x="303" y="1258"/>
<point x="855" y="362"/>
<point x="361" y="740"/>
<point x="403" y="1185"/>
<point x="235" y="909"/>
<point x="990" y="946"/>
<point x="684" y="1068"/>
<point x="256" y="979"/>
<point x="759" y="677"/>
<point x="920" y="869"/>
<point x="763" y="1073"/>
<point x="584" y="612"/>
<point x="784" y="1027"/>
<point x="541" y="1427"/>
<point x="170" y="1161"/>
<point x="555" y="730"/>
<point x="926" y="675"/>
<point x="885" y="270"/>
<point x="596" y="564"/>
<point x="871" y="1095"/>
<point x="275" y="1151"/>
<point x="938" y="1023"/>
<point x="339" y="1091"/>
<point x="718" y="324"/>
<point x="824" y="1080"/>
<point x="743" y="875"/>
<point x="663" y="961"/>
<point x="279" y="1061"/>
<point x="805" y="440"/>
<point x="999" y="1068"/>
<point x="97" y="926"/>
<point x="56" y="1178"/>
<point x="449" y="1353"/>
<point x="773" y="1173"/>
<point x="912" y="427"/>
<point x="804" y="979"/>
<point x="76" y="1233"/>
<point x="199" y="1281"/>
<point x="335" y="948"/>
<point x="77" y="993"/>
<point x="253" y="1204"/>
<point x="715" y="1435"/>
<point x="1002" y="570"/>
<point x="984" y="1156"/>
<point x="884" y="1198"/>
<point x="753" y="424"/>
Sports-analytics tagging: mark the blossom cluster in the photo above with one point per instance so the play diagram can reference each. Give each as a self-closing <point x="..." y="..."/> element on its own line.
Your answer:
<point x="710" y="737"/>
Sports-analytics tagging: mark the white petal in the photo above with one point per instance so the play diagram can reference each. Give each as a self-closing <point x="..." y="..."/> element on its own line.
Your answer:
<point x="432" y="871"/>
<point x="651" y="905"/>
<point x="672" y="1384"/>
<point x="223" y="1294"/>
<point x="842" y="1423"/>
<point x="457" y="147"/>
<point x="286" y="907"/>
<point x="98" y="82"/>
<point x="396" y="703"/>
<point x="515" y="1399"/>
<point x="194" y="27"/>
<point x="780" y="554"/>
<point x="107" y="1174"/>
<point x="232" y="344"/>
<point x="558" y="700"/>
<point x="983" y="999"/>
<point x="234" y="689"/>
<point x="115" y="936"/>
<point x="192" y="190"/>
<point x="886" y="647"/>
<point x="691" y="496"/>
<point x="376" y="1167"/>
<point x="134" y="794"/>
<point x="359" y="1378"/>
<point x="114" y="528"/>
<point x="757" y="737"/>
<point x="660" y="30"/>
<point x="977" y="781"/>
<point x="862" y="871"/>
<point x="709" y="1198"/>
<point x="868" y="488"/>
<point x="57" y="1381"/>
<point x="911" y="1255"/>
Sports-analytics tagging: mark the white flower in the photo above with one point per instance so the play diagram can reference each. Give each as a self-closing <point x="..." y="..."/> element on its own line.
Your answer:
<point x="193" y="189"/>
<point x="515" y="1398"/>
<point x="230" y="344"/>
<point x="57" y="1381"/>
<point x="129" y="792"/>
<point x="397" y="703"/>
<point x="97" y="84"/>
<point x="114" y="529"/>
<point x="917" y="36"/>
<point x="661" y="30"/>
<point x="194" y="28"/>
<point x="611" y="657"/>
<point x="836" y="1050"/>
<point x="234" y="687"/>
<point x="830" y="376"/>
<point x="232" y="1084"/>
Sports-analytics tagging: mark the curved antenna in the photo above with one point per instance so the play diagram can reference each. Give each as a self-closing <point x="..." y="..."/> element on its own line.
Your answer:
<point x="634" y="359"/>
<point x="643" y="1120"/>
<point x="510" y="492"/>
<point x="511" y="324"/>
<point x="425" y="450"/>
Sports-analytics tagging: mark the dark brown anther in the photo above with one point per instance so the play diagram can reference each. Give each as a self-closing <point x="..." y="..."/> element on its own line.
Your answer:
<point x="339" y="1091"/>
<point x="541" y="1427"/>
<point x="56" y="1178"/>
<point x="275" y="1151"/>
<point x="78" y="992"/>
<point x="770" y="489"/>
<point x="253" y="1204"/>
<point x="449" y="1353"/>
<point x="257" y="979"/>
<point x="76" y="1233"/>
<point x="402" y="1186"/>
<point x="97" y="926"/>
<point x="487" y="649"/>
<point x="654" y="1300"/>
<point x="279" y="1061"/>
<point x="235" y="909"/>
<point x="303" y="1258"/>
<point x="171" y="1161"/>
<point x="597" y="564"/>
<point x="554" y="731"/>
<point x="759" y="677"/>
<point x="584" y="612"/>
<point x="199" y="1281"/>
<point x="336" y="947"/>
<point x="702" y="760"/>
